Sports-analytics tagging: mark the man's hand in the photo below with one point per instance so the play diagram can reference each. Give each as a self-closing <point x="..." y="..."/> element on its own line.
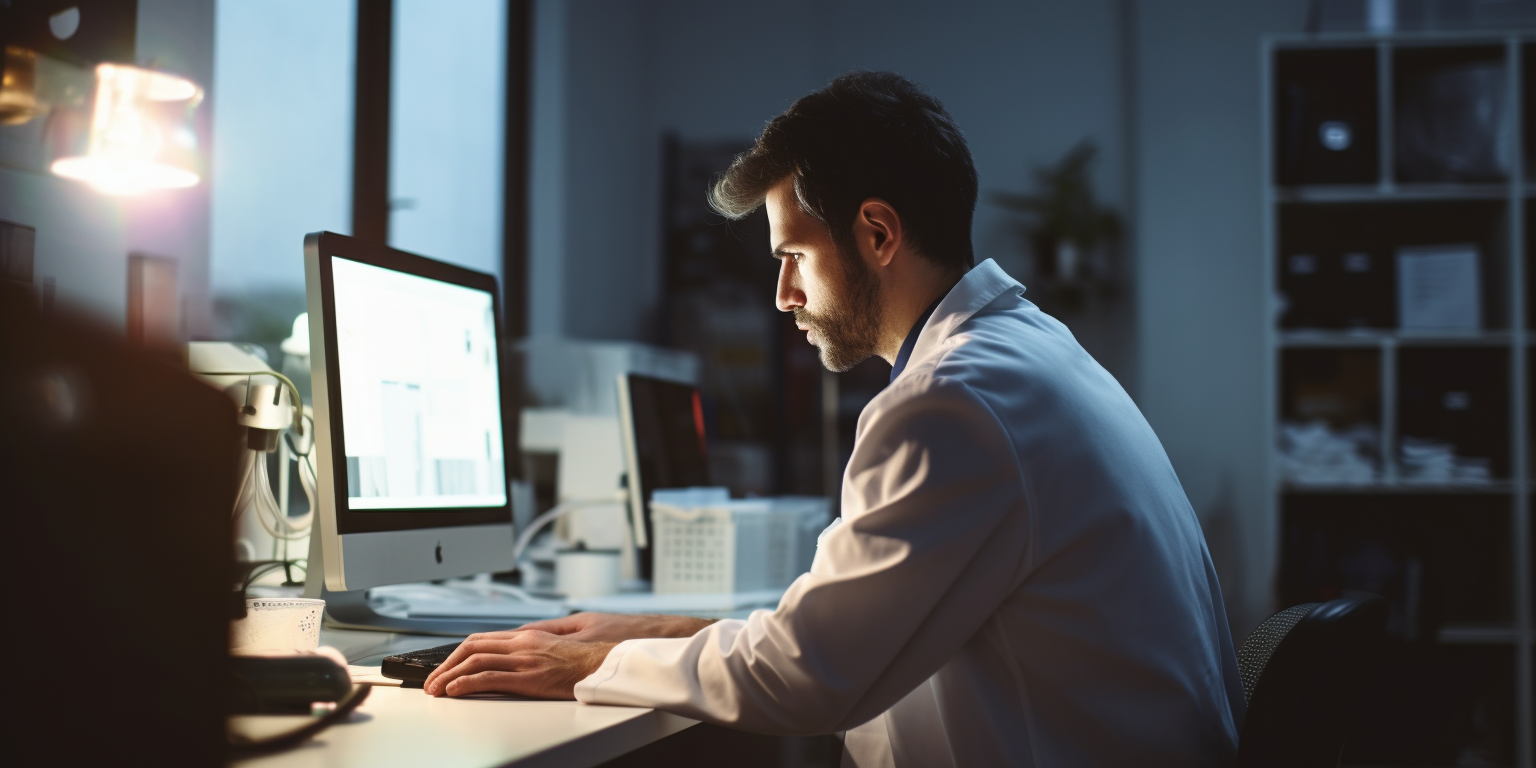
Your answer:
<point x="617" y="627"/>
<point x="524" y="662"/>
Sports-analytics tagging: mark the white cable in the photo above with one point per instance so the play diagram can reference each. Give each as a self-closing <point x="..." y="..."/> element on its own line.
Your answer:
<point x="243" y="478"/>
<point x="263" y="502"/>
<point x="307" y="482"/>
<point x="555" y="512"/>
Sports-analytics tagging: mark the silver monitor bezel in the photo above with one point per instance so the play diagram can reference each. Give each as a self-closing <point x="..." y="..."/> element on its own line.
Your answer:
<point x="390" y="546"/>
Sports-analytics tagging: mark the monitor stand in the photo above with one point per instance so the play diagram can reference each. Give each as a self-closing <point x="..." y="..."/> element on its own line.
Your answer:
<point x="350" y="609"/>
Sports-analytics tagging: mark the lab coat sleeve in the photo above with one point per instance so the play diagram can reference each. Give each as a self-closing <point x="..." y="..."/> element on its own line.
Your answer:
<point x="935" y="536"/>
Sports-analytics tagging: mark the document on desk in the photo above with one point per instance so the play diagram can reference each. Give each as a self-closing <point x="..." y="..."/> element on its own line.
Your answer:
<point x="432" y="601"/>
<point x="362" y="675"/>
<point x="709" y="605"/>
<point x="516" y="612"/>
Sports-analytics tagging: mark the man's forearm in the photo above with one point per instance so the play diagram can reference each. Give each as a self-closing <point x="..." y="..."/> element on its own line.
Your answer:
<point x="680" y="626"/>
<point x="688" y="625"/>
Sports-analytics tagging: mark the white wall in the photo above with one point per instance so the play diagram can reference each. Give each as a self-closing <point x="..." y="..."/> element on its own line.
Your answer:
<point x="1199" y="240"/>
<point x="447" y="140"/>
<point x="84" y="237"/>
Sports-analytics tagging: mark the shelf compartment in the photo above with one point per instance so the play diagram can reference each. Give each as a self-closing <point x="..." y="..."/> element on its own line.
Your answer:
<point x="1439" y="560"/>
<point x="1337" y="262"/>
<point x="1452" y="120"/>
<point x="1328" y="122"/>
<point x="1458" y="397"/>
<point x="1330" y="417"/>
<point x="1437" y="705"/>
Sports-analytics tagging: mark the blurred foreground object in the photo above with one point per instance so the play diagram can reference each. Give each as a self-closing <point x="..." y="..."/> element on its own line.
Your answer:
<point x="118" y="479"/>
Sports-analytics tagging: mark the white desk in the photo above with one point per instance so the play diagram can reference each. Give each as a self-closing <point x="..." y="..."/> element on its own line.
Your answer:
<point x="406" y="727"/>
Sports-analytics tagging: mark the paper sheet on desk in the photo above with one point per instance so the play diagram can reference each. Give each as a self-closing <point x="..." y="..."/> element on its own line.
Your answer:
<point x="370" y="676"/>
<point x="433" y="601"/>
<point x="685" y="604"/>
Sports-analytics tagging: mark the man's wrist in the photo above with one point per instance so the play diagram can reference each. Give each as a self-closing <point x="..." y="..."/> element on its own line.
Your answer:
<point x="687" y="626"/>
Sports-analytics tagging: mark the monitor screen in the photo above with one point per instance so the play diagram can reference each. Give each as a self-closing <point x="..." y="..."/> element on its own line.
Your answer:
<point x="410" y="442"/>
<point x="422" y="423"/>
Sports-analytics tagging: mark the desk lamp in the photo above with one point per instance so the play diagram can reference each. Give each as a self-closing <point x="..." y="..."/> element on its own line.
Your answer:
<point x="122" y="129"/>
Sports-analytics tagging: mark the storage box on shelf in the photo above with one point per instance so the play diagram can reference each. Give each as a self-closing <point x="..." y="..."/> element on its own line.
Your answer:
<point x="724" y="546"/>
<point x="1399" y="210"/>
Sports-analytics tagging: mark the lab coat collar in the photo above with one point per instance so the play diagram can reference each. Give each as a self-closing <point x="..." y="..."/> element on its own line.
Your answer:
<point x="980" y="287"/>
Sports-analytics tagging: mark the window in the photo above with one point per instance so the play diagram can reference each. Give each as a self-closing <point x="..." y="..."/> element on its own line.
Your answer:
<point x="282" y="149"/>
<point x="447" y="109"/>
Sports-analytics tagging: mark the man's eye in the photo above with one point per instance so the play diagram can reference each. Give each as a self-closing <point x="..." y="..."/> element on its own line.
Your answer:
<point x="795" y="256"/>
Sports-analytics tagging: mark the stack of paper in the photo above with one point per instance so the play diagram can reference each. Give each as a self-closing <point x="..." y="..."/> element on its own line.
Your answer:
<point x="1431" y="462"/>
<point x="1312" y="453"/>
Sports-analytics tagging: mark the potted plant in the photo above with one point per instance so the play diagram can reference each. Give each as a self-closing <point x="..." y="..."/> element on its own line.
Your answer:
<point x="1065" y="227"/>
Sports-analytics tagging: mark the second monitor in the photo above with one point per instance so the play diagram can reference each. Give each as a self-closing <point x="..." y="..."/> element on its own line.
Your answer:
<point x="662" y="423"/>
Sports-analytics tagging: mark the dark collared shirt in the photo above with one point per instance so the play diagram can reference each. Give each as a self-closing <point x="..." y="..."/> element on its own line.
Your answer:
<point x="911" y="342"/>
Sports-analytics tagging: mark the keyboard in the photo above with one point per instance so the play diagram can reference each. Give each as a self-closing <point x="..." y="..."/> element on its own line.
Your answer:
<point x="412" y="667"/>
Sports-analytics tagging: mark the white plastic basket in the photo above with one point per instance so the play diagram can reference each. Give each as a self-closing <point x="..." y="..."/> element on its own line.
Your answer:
<point x="735" y="546"/>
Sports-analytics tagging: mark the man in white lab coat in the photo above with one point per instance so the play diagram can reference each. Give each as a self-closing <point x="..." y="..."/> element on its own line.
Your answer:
<point x="1017" y="578"/>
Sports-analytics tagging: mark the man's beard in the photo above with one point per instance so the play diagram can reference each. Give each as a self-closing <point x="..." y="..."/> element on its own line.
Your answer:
<point x="849" y="328"/>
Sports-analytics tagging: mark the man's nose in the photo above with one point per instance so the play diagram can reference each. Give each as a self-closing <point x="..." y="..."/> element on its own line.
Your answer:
<point x="789" y="295"/>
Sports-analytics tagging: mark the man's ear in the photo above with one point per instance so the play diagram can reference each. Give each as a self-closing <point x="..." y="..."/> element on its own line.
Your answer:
<point x="878" y="227"/>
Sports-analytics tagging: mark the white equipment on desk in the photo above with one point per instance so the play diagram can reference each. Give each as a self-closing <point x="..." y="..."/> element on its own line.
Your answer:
<point x="572" y="442"/>
<point x="267" y="404"/>
<point x="707" y="542"/>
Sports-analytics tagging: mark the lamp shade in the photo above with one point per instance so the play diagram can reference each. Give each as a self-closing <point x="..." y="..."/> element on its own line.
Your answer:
<point x="18" y="86"/>
<point x="140" y="135"/>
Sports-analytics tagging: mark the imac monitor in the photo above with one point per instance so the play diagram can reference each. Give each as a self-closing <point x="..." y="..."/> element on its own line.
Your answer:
<point x="662" y="424"/>
<point x="410" y="457"/>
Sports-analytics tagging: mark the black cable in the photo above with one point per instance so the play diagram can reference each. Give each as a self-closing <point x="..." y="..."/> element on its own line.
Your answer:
<point x="245" y="746"/>
<point x="260" y="568"/>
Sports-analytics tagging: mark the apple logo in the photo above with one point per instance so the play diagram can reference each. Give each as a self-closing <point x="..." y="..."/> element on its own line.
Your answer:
<point x="439" y="553"/>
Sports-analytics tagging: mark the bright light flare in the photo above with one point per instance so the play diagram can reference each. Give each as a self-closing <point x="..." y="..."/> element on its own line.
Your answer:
<point x="141" y="135"/>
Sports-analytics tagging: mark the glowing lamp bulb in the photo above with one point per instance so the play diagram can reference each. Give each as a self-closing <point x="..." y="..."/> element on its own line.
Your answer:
<point x="140" y="136"/>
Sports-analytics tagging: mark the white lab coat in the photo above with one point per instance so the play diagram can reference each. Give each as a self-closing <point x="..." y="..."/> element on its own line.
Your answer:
<point x="1019" y="579"/>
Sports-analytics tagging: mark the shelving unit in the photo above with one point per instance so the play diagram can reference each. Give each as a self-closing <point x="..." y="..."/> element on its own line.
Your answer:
<point x="1433" y="508"/>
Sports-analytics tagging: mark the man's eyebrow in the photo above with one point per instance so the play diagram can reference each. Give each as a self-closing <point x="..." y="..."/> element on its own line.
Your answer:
<point x="783" y="250"/>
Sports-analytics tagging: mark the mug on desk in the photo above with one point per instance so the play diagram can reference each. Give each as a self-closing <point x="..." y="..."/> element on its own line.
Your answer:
<point x="582" y="573"/>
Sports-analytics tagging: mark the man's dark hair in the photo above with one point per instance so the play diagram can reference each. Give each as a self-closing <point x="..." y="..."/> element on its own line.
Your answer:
<point x="867" y="134"/>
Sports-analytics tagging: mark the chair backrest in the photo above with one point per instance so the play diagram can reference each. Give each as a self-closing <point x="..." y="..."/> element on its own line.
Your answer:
<point x="1303" y="671"/>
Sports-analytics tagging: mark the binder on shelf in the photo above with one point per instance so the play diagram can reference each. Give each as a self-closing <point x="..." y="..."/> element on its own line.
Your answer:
<point x="1328" y="120"/>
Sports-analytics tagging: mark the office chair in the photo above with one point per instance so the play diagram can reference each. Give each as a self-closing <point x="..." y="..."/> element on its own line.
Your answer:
<point x="1303" y="671"/>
